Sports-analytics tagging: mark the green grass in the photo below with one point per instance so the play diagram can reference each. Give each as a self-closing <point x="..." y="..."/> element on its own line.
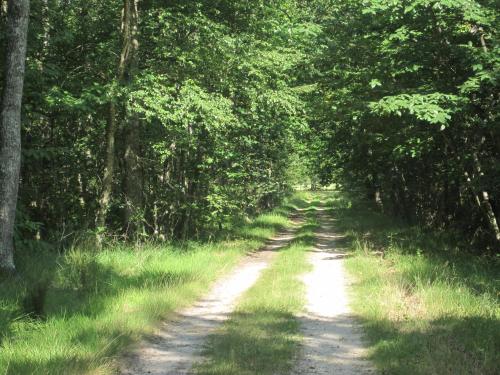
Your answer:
<point x="262" y="335"/>
<point x="427" y="306"/>
<point x="90" y="306"/>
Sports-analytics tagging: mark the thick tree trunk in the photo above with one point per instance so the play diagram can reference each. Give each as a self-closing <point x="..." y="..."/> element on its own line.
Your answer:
<point x="10" y="126"/>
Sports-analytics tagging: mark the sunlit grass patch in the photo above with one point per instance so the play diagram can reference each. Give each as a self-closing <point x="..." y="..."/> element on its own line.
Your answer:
<point x="264" y="226"/>
<point x="94" y="304"/>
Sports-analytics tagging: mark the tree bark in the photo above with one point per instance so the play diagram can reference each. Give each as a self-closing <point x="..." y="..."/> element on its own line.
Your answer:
<point x="10" y="127"/>
<point x="485" y="203"/>
<point x="109" y="166"/>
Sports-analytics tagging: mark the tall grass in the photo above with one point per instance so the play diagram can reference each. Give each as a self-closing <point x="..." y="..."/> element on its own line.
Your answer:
<point x="74" y="313"/>
<point x="428" y="307"/>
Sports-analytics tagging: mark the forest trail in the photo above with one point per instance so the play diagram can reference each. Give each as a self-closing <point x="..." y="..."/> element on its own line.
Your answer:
<point x="332" y="339"/>
<point x="178" y="343"/>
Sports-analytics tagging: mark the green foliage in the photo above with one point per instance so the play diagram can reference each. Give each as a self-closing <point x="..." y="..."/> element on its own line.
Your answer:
<point x="407" y="109"/>
<point x="214" y="94"/>
<point x="429" y="108"/>
<point x="237" y="101"/>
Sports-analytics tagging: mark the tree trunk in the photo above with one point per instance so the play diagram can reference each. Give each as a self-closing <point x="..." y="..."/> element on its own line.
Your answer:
<point x="133" y="175"/>
<point x="109" y="166"/>
<point x="485" y="203"/>
<point x="378" y="199"/>
<point x="10" y="126"/>
<point x="124" y="76"/>
<point x="3" y="9"/>
<point x="133" y="179"/>
<point x="46" y="32"/>
<point x="482" y="198"/>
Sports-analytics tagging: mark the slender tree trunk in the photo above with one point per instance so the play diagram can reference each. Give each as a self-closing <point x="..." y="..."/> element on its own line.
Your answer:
<point x="378" y="199"/>
<point x="46" y="32"/>
<point x="485" y="202"/>
<point x="3" y="8"/>
<point x="482" y="198"/>
<point x="133" y="178"/>
<point x="123" y="77"/>
<point x="133" y="174"/>
<point x="10" y="126"/>
<point x="109" y="166"/>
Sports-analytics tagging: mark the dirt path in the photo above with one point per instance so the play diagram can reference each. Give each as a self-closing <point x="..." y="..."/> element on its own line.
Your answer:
<point x="332" y="340"/>
<point x="177" y="344"/>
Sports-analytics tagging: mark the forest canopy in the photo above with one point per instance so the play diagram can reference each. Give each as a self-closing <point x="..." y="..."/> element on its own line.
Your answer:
<point x="164" y="120"/>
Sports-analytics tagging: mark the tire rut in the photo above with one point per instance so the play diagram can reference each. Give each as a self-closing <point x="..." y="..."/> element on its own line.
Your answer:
<point x="178" y="343"/>
<point x="332" y="338"/>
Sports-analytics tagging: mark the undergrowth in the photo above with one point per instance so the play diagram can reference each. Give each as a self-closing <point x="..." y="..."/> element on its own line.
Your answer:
<point x="74" y="313"/>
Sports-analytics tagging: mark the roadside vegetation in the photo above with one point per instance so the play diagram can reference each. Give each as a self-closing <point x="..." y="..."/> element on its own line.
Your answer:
<point x="427" y="306"/>
<point x="72" y="314"/>
<point x="262" y="335"/>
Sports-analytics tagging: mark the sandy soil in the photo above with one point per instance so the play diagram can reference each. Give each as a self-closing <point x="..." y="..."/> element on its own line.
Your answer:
<point x="332" y="340"/>
<point x="177" y="344"/>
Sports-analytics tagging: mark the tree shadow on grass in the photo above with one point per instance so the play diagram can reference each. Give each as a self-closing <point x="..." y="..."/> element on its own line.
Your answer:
<point x="437" y="347"/>
<point x="265" y="341"/>
<point x="18" y="291"/>
<point x="82" y="360"/>
<point x="444" y="258"/>
<point x="67" y="303"/>
<point x="56" y="365"/>
<point x="107" y="285"/>
<point x="261" y="342"/>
